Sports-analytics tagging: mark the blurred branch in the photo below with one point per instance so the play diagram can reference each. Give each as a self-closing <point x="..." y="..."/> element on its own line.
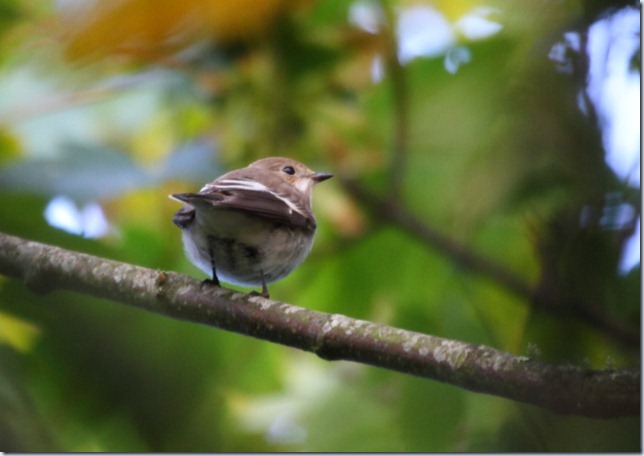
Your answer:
<point x="400" y="101"/>
<point x="392" y="210"/>
<point x="563" y="389"/>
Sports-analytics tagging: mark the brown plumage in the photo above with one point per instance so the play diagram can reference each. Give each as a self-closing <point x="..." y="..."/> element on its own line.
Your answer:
<point x="252" y="226"/>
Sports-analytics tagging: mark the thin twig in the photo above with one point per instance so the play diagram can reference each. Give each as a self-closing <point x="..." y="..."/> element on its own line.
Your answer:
<point x="563" y="389"/>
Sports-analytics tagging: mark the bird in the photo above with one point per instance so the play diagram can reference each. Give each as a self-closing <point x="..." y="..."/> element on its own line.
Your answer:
<point x="252" y="226"/>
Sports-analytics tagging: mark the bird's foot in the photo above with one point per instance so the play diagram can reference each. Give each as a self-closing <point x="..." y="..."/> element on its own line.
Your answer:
<point x="210" y="283"/>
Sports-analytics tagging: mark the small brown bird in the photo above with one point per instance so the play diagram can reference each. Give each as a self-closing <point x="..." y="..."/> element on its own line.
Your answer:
<point x="251" y="226"/>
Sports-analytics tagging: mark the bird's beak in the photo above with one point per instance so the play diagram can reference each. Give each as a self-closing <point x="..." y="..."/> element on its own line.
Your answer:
<point x="319" y="177"/>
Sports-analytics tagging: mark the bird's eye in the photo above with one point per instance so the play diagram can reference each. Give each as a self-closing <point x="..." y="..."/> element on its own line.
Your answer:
<point x="288" y="170"/>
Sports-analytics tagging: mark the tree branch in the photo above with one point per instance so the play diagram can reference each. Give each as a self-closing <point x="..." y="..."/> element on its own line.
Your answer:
<point x="392" y="211"/>
<point x="563" y="389"/>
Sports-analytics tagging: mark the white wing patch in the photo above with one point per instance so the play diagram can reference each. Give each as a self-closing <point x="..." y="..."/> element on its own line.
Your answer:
<point x="249" y="184"/>
<point x="237" y="184"/>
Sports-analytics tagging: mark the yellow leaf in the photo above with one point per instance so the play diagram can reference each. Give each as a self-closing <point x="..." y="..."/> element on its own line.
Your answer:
<point x="17" y="332"/>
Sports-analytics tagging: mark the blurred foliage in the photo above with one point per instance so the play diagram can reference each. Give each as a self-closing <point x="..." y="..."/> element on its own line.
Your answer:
<point x="121" y="103"/>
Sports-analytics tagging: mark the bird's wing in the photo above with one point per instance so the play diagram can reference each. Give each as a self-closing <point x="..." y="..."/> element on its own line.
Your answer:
<point x="184" y="216"/>
<point x="248" y="196"/>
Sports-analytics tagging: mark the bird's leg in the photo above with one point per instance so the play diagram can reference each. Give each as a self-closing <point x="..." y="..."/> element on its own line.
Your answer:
<point x="264" y="287"/>
<point x="215" y="280"/>
<point x="264" y="293"/>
